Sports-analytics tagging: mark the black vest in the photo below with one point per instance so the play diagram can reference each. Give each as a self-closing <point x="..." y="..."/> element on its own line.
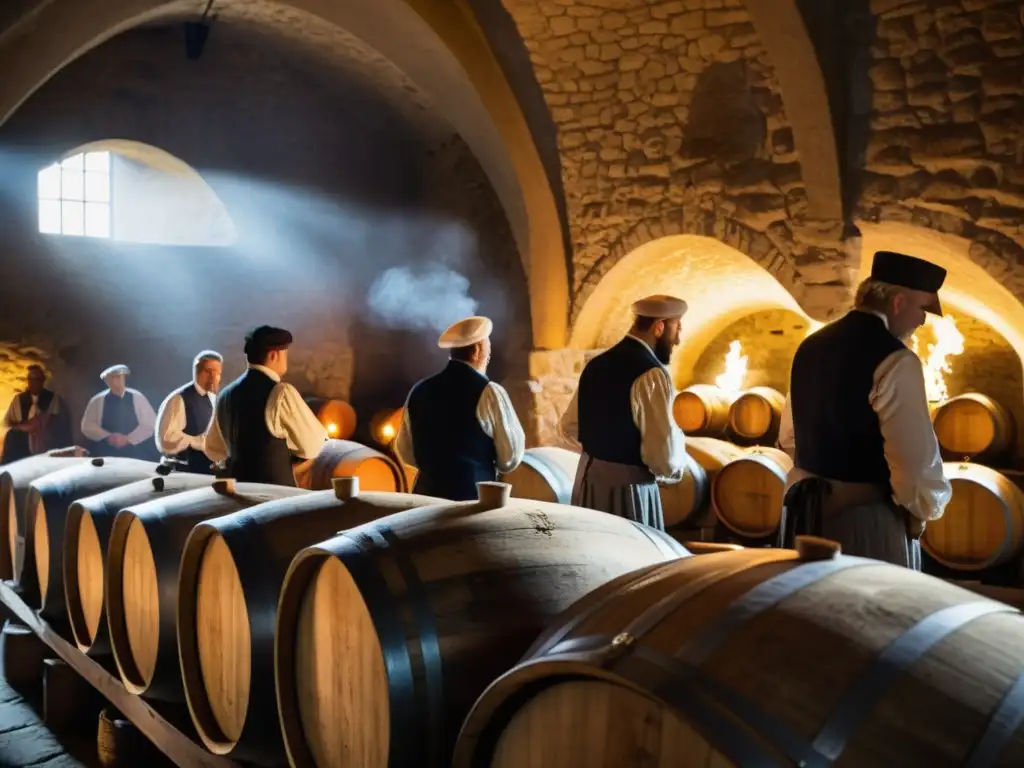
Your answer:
<point x="453" y="453"/>
<point x="606" y="427"/>
<point x="45" y="398"/>
<point x="119" y="414"/>
<point x="198" y="413"/>
<point x="837" y="432"/>
<point x="254" y="455"/>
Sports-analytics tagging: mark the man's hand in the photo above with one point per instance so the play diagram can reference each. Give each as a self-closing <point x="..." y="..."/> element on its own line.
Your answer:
<point x="915" y="526"/>
<point x="117" y="441"/>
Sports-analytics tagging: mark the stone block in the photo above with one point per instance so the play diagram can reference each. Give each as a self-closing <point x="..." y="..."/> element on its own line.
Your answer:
<point x="888" y="75"/>
<point x="688" y="22"/>
<point x="726" y="18"/>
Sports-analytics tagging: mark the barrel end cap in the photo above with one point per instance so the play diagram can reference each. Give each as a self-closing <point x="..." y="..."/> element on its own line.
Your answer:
<point x="492" y="494"/>
<point x="224" y="485"/>
<point x="345" y="487"/>
<point x="811" y="548"/>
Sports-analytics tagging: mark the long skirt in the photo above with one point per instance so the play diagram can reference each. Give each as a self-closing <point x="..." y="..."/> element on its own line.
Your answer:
<point x="618" y="489"/>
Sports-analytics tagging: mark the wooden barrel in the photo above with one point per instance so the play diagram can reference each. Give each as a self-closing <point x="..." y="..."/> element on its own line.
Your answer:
<point x="756" y="414"/>
<point x="451" y="596"/>
<point x="46" y="511"/>
<point x="342" y="458"/>
<point x="691" y="507"/>
<point x="763" y="658"/>
<point x="15" y="479"/>
<point x="546" y="474"/>
<point x="972" y="426"/>
<point x="702" y="409"/>
<point x="337" y="416"/>
<point x="682" y="502"/>
<point x="232" y="569"/>
<point x="141" y="577"/>
<point x="748" y="493"/>
<point x="86" y="532"/>
<point x="983" y="525"/>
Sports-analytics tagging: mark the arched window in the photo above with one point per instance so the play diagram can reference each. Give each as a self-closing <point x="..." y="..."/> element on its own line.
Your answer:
<point x="133" y="193"/>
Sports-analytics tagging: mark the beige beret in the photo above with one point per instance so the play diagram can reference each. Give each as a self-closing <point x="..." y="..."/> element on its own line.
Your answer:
<point x="660" y="307"/>
<point x="114" y="370"/>
<point x="466" y="332"/>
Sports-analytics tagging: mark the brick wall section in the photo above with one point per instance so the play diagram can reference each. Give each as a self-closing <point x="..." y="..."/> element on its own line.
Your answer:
<point x="670" y="120"/>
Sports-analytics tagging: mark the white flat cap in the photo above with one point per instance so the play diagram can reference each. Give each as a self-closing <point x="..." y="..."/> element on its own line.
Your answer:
<point x="114" y="370"/>
<point x="466" y="332"/>
<point x="660" y="307"/>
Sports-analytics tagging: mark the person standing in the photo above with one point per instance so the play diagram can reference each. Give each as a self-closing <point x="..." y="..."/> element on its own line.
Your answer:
<point x="459" y="428"/>
<point x="261" y="425"/>
<point x="621" y="418"/>
<point x="867" y="469"/>
<point x="119" y="420"/>
<point x="185" y="415"/>
<point x="37" y="420"/>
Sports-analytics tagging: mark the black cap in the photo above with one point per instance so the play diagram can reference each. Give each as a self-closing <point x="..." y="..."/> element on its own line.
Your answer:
<point x="910" y="272"/>
<point x="267" y="338"/>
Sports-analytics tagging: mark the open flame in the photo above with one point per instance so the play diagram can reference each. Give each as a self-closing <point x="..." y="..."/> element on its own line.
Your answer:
<point x="731" y="380"/>
<point x="946" y="341"/>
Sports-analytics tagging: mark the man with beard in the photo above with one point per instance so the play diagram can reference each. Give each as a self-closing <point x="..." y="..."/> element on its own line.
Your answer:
<point x="621" y="416"/>
<point x="37" y="420"/>
<point x="867" y="470"/>
<point x="119" y="420"/>
<point x="459" y="428"/>
<point x="184" y="417"/>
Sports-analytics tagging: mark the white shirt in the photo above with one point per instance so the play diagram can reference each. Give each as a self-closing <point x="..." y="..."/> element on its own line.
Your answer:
<point x="287" y="418"/>
<point x="662" y="443"/>
<point x="911" y="448"/>
<point x="497" y="418"/>
<point x="13" y="415"/>
<point x="170" y="425"/>
<point x="93" y="418"/>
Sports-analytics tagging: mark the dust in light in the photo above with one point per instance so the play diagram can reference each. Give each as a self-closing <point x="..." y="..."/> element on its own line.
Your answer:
<point x="940" y="340"/>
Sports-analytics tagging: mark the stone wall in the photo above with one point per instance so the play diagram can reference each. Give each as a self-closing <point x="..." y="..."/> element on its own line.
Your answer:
<point x="944" y="136"/>
<point x="328" y="185"/>
<point x="670" y="120"/>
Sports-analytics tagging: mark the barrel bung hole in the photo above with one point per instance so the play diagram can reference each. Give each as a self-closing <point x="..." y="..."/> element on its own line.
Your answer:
<point x="90" y="575"/>
<point x="223" y="639"/>
<point x="341" y="685"/>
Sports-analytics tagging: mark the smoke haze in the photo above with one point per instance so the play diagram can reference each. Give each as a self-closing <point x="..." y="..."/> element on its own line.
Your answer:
<point x="431" y="297"/>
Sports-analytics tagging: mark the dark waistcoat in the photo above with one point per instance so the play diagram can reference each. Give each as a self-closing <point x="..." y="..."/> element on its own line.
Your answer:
<point x="254" y="455"/>
<point x="606" y="427"/>
<point x="198" y="413"/>
<point x="119" y="414"/>
<point x="453" y="453"/>
<point x="837" y="431"/>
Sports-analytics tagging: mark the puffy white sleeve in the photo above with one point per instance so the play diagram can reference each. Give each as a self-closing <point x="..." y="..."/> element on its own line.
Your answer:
<point x="290" y="419"/>
<point x="214" y="446"/>
<point x="170" y="427"/>
<point x="92" y="418"/>
<point x="911" y="448"/>
<point x="13" y="415"/>
<point x="569" y="424"/>
<point x="787" y="436"/>
<point x="663" y="446"/>
<point x="146" y="416"/>
<point x="499" y="422"/>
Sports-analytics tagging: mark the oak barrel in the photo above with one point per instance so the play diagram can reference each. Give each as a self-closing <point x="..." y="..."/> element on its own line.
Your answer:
<point x="682" y="502"/>
<point x="748" y="492"/>
<point x="15" y="479"/>
<point x="756" y="414"/>
<point x="141" y="577"/>
<point x="702" y="409"/>
<point x="546" y="474"/>
<point x="342" y="458"/>
<point x="451" y="596"/>
<point x="46" y="511"/>
<point x="973" y="426"/>
<point x="337" y="416"/>
<point x="232" y="569"/>
<point x="763" y="657"/>
<point x="86" y="533"/>
<point x="983" y="525"/>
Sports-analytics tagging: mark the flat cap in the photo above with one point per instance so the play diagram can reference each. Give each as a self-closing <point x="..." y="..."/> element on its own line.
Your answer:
<point x="114" y="370"/>
<point x="660" y="307"/>
<point x="465" y="333"/>
<point x="910" y="272"/>
<point x="266" y="337"/>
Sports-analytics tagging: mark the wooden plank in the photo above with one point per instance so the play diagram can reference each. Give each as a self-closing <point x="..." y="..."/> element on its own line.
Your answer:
<point x="177" y="746"/>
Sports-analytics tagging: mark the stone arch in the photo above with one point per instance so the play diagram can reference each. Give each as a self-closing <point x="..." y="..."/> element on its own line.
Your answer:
<point x="720" y="283"/>
<point x="435" y="45"/>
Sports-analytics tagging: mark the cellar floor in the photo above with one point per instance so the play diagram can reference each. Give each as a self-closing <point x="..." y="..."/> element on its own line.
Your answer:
<point x="25" y="741"/>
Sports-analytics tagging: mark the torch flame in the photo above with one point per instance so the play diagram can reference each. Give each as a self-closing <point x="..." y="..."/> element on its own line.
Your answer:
<point x="948" y="342"/>
<point x="387" y="431"/>
<point x="735" y="370"/>
<point x="332" y="429"/>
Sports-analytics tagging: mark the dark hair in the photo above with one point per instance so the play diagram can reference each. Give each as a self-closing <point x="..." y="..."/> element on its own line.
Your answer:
<point x="36" y="367"/>
<point x="256" y="354"/>
<point x="644" y="324"/>
<point x="464" y="354"/>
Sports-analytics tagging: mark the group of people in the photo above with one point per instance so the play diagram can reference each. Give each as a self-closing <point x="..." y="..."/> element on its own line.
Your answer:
<point x="867" y="470"/>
